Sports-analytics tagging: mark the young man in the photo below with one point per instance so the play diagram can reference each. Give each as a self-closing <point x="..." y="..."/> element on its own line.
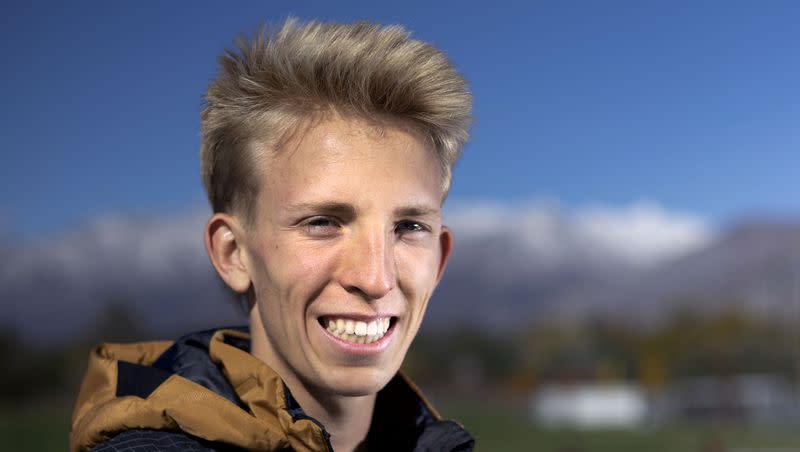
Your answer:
<point x="326" y="155"/>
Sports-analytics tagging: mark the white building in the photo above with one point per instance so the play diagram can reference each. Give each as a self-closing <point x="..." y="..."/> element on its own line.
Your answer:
<point x="589" y="405"/>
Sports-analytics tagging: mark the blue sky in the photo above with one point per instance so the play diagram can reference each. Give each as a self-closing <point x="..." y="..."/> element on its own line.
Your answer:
<point x="691" y="105"/>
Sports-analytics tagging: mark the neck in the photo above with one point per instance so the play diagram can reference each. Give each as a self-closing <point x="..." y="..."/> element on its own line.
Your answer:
<point x="346" y="418"/>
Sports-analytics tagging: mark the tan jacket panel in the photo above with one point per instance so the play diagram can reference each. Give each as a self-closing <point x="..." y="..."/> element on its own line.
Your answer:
<point x="180" y="404"/>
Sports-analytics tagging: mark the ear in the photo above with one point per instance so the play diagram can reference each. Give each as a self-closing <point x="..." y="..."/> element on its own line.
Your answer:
<point x="445" y="247"/>
<point x="224" y="240"/>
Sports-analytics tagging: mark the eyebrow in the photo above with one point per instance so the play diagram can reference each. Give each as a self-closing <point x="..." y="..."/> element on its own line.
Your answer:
<point x="324" y="206"/>
<point x="414" y="210"/>
<point x="419" y="210"/>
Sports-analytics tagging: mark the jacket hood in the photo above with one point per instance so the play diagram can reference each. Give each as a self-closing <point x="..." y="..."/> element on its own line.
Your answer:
<point x="208" y="385"/>
<point x="157" y="385"/>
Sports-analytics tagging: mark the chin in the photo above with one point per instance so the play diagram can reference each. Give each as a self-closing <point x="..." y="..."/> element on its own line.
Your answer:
<point x="358" y="382"/>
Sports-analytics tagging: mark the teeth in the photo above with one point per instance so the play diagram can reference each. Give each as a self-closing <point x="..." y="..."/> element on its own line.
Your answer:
<point x="359" y="332"/>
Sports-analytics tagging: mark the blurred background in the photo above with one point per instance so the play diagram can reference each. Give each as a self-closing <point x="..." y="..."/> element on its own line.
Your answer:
<point x="626" y="274"/>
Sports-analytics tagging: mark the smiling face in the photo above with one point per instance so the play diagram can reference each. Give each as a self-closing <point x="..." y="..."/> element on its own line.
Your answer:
<point x="345" y="250"/>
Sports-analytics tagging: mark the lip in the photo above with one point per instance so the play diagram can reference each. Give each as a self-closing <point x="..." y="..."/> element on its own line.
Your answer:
<point x="351" y="348"/>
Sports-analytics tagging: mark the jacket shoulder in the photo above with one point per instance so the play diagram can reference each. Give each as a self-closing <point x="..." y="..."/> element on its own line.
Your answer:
<point x="147" y="440"/>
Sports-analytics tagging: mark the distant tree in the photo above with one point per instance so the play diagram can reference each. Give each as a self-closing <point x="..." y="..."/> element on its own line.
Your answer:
<point x="118" y="321"/>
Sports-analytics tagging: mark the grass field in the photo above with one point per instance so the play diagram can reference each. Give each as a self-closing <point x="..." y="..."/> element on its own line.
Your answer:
<point x="494" y="429"/>
<point x="28" y="429"/>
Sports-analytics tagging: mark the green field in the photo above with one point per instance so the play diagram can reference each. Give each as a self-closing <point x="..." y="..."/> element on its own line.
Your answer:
<point x="46" y="430"/>
<point x="498" y="431"/>
<point x="27" y="429"/>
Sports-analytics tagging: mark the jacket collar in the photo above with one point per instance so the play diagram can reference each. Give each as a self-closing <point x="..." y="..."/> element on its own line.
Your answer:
<point x="235" y="398"/>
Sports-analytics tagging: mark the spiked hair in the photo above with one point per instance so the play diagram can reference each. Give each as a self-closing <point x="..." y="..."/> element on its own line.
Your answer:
<point x="269" y="84"/>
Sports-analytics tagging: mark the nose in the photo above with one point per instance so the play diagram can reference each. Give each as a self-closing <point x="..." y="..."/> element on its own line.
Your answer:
<point x="368" y="266"/>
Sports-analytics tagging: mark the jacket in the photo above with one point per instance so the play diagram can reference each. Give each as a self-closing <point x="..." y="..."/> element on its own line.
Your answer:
<point x="205" y="392"/>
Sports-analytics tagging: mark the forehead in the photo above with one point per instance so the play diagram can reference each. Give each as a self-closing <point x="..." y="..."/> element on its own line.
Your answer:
<point x="364" y="164"/>
<point x="333" y="133"/>
<point x="345" y="145"/>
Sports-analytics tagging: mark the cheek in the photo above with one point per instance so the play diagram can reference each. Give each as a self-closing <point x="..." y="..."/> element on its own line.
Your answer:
<point x="417" y="270"/>
<point x="298" y="274"/>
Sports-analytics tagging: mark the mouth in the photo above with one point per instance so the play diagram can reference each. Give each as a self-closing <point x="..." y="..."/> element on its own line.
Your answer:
<point x="358" y="331"/>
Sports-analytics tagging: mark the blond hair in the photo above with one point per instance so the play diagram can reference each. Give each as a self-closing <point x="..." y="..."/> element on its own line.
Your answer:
<point x="269" y="84"/>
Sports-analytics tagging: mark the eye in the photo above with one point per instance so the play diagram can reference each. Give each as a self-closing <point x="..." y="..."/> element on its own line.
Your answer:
<point x="411" y="227"/>
<point x="321" y="226"/>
